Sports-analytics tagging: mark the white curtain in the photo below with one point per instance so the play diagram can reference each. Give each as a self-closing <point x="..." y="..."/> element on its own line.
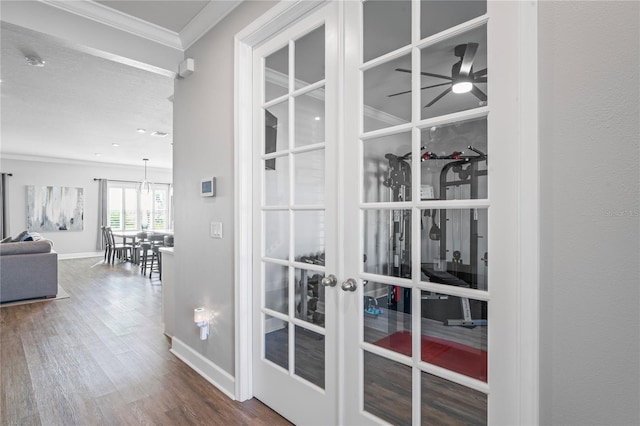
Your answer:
<point x="103" y="213"/>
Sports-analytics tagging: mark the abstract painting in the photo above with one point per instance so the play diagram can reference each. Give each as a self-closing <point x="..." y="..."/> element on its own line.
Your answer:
<point x="54" y="208"/>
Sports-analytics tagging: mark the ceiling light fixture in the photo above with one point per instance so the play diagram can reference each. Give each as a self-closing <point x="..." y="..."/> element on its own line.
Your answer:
<point x="145" y="185"/>
<point x="160" y="134"/>
<point x="34" y="61"/>
<point x="462" y="86"/>
<point x="97" y="154"/>
<point x="140" y="130"/>
<point x="115" y="144"/>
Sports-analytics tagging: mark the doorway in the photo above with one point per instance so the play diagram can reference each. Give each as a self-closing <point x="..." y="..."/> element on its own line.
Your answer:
<point x="373" y="298"/>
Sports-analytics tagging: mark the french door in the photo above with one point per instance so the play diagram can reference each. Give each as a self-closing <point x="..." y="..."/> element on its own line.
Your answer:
<point x="384" y="174"/>
<point x="295" y="88"/>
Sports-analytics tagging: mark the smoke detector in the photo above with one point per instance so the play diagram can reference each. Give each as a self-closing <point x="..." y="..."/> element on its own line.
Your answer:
<point x="34" y="61"/>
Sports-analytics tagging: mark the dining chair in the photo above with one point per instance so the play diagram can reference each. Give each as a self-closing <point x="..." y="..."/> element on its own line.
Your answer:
<point x="117" y="248"/>
<point x="106" y="243"/>
<point x="150" y="255"/>
<point x="141" y="238"/>
<point x="157" y="241"/>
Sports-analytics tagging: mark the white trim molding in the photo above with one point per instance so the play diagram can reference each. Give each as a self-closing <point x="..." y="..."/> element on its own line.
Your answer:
<point x="60" y="160"/>
<point x="529" y="219"/>
<point x="114" y="18"/>
<point x="209" y="17"/>
<point x="83" y="255"/>
<point x="204" y="367"/>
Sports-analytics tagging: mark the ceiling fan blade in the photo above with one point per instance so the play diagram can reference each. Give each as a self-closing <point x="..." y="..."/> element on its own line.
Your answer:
<point x="399" y="93"/>
<point x="480" y="73"/>
<point x="467" y="60"/>
<point x="437" y="98"/>
<point x="478" y="93"/>
<point x="480" y="80"/>
<point x="422" y="88"/>
<point x="428" y="74"/>
<point x="434" y="85"/>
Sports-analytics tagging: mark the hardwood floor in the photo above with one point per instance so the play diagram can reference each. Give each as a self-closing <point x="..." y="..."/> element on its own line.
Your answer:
<point x="100" y="358"/>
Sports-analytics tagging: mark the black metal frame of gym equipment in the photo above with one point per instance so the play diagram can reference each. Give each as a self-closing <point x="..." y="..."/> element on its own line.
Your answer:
<point x="399" y="182"/>
<point x="399" y="259"/>
<point x="466" y="177"/>
<point x="466" y="273"/>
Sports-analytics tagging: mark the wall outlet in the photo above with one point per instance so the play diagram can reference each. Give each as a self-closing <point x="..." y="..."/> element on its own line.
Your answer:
<point x="215" y="229"/>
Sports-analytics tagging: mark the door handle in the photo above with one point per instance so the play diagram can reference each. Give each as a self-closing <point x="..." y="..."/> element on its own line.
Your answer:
<point x="329" y="281"/>
<point x="349" y="285"/>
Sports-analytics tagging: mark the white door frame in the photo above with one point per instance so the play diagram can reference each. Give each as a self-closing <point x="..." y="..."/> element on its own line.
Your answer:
<point x="287" y="12"/>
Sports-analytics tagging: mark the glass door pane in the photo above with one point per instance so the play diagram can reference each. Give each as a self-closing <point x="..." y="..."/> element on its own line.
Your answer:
<point x="295" y="335"/>
<point x="422" y="214"/>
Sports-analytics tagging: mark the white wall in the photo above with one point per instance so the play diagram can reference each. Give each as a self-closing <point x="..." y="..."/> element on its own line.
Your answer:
<point x="203" y="146"/>
<point x="590" y="281"/>
<point x="78" y="175"/>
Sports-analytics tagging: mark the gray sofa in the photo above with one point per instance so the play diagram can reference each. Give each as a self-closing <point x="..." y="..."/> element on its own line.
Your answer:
<point x="28" y="270"/>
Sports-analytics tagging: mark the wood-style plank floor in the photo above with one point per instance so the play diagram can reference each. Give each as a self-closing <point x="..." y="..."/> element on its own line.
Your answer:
<point x="100" y="358"/>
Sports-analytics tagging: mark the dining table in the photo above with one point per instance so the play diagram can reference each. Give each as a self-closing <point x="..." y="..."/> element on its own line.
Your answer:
<point x="133" y="235"/>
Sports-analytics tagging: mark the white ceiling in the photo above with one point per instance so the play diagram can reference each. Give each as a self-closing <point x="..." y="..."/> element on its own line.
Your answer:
<point x="173" y="15"/>
<point x="78" y="105"/>
<point x="81" y="103"/>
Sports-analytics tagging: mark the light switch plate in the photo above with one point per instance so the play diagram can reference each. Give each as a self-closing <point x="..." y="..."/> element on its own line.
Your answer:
<point x="215" y="230"/>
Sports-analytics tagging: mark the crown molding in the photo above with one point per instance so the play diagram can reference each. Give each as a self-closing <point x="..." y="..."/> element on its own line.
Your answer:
<point x="105" y="15"/>
<point x="60" y="160"/>
<point x="209" y="17"/>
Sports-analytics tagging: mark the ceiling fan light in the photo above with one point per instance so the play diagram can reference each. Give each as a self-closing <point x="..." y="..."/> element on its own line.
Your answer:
<point x="462" y="87"/>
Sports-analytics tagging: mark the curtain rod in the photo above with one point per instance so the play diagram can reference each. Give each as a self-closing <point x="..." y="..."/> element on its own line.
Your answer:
<point x="129" y="181"/>
<point x="7" y="174"/>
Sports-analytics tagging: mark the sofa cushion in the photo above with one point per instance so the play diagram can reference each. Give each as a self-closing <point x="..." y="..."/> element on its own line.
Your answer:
<point x="7" y="240"/>
<point x="26" y="247"/>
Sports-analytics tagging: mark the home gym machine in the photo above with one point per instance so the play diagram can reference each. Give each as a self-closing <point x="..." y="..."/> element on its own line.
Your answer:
<point x="465" y="172"/>
<point x="460" y="171"/>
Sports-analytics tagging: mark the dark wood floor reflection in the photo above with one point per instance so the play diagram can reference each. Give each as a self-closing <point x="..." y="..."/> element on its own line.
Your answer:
<point x="100" y="357"/>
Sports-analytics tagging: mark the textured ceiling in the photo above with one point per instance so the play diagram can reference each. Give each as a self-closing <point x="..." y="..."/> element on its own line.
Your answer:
<point x="78" y="105"/>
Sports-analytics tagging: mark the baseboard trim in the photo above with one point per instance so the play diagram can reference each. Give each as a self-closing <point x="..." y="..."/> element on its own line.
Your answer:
<point x="80" y="255"/>
<point x="204" y="367"/>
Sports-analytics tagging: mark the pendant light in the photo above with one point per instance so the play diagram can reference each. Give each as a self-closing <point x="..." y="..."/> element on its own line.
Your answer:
<point x="145" y="185"/>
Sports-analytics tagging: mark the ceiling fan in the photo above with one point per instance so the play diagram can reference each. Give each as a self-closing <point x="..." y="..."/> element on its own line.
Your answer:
<point x="462" y="79"/>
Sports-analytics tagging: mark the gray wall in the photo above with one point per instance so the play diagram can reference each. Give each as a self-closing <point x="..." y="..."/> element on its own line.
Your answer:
<point x="590" y="321"/>
<point x="203" y="147"/>
<point x="72" y="174"/>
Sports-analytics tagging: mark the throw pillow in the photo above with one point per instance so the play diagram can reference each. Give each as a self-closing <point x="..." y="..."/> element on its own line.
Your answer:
<point x="35" y="236"/>
<point x="7" y="240"/>
<point x="21" y="236"/>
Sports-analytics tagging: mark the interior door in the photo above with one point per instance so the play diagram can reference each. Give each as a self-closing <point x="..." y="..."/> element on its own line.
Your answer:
<point x="404" y="211"/>
<point x="429" y="157"/>
<point x="295" y="218"/>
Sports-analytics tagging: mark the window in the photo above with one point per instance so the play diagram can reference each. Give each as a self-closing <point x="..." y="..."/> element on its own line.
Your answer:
<point x="130" y="210"/>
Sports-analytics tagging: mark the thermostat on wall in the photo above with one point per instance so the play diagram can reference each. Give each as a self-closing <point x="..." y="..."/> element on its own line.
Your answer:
<point x="208" y="187"/>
